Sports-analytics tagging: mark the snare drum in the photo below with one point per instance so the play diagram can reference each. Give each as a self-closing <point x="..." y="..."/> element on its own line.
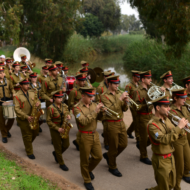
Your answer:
<point x="43" y="107"/>
<point x="9" y="110"/>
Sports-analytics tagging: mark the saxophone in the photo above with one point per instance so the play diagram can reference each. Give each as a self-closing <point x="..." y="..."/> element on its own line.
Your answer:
<point x="35" y="113"/>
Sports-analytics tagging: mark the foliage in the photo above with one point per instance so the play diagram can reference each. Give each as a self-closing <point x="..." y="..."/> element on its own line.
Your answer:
<point x="170" y="18"/>
<point x="91" y="26"/>
<point x="14" y="177"/>
<point x="149" y="55"/>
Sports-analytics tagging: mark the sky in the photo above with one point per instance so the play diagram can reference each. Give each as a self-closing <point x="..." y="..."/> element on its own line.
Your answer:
<point x="126" y="9"/>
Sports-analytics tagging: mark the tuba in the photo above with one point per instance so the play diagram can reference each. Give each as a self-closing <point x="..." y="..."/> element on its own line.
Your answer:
<point x="155" y="92"/>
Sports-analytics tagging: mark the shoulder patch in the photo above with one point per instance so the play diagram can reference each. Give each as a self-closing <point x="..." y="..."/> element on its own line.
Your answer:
<point x="78" y="115"/>
<point x="156" y="135"/>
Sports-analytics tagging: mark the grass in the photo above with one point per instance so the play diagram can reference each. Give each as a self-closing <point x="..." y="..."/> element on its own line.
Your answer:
<point x="13" y="177"/>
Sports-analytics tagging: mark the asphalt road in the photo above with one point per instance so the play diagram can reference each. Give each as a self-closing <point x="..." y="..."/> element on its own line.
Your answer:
<point x="136" y="175"/>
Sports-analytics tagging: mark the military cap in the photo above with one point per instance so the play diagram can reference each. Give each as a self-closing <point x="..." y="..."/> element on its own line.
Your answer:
<point x="1" y="68"/>
<point x="84" y="70"/>
<point x="65" y="68"/>
<point x="24" y="81"/>
<point x="161" y="100"/>
<point x="57" y="93"/>
<point x="135" y="73"/>
<point x="181" y="93"/>
<point x="166" y="75"/>
<point x="2" y="63"/>
<point x="145" y="74"/>
<point x="58" y="62"/>
<point x="24" y="67"/>
<point x="23" y="56"/>
<point x="84" y="63"/>
<point x="108" y="73"/>
<point x="52" y="67"/>
<point x="33" y="75"/>
<point x="45" y="67"/>
<point x="9" y="60"/>
<point x="186" y="80"/>
<point x="88" y="90"/>
<point x="113" y="79"/>
<point x="48" y="60"/>
<point x="16" y="63"/>
<point x="81" y="77"/>
<point x="59" y="65"/>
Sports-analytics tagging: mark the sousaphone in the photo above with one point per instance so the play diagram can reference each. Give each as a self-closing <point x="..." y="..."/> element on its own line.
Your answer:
<point x="99" y="74"/>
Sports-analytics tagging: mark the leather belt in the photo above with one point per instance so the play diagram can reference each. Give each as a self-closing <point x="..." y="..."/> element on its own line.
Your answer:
<point x="16" y="88"/>
<point x="87" y="132"/>
<point x="56" y="122"/>
<point x="114" y="120"/>
<point x="144" y="113"/>
<point x="164" y="155"/>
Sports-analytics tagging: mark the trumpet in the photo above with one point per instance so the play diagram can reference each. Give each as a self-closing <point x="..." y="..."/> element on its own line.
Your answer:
<point x="111" y="112"/>
<point x="138" y="107"/>
<point x="175" y="119"/>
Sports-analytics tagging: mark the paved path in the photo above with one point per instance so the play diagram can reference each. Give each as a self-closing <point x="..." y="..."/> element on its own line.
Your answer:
<point x="136" y="175"/>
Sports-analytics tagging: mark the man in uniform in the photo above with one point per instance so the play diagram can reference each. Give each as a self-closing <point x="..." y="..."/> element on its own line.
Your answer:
<point x="24" y="101"/>
<point x="57" y="113"/>
<point x="114" y="125"/>
<point x="6" y="91"/>
<point x="163" y="134"/>
<point x="87" y="113"/>
<point x="24" y="63"/>
<point x="84" y="70"/>
<point x="48" y="62"/>
<point x="66" y="70"/>
<point x="24" y="70"/>
<point x="43" y="74"/>
<point x="59" y="65"/>
<point x="168" y="80"/>
<point x="84" y="64"/>
<point x="8" y="67"/>
<point x="130" y="88"/>
<point x="144" y="114"/>
<point x="75" y="96"/>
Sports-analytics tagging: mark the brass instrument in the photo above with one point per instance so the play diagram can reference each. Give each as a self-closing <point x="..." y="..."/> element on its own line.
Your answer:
<point x="155" y="92"/>
<point x="175" y="87"/>
<point x="138" y="107"/>
<point x="35" y="113"/>
<point x="111" y="112"/>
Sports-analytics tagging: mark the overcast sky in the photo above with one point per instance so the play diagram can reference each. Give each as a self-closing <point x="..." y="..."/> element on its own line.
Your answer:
<point x="126" y="9"/>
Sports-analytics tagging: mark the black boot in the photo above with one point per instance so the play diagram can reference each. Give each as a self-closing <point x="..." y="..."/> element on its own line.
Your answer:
<point x="130" y="136"/>
<point x="76" y="144"/>
<point x="115" y="172"/>
<point x="146" y="161"/>
<point x="138" y="145"/>
<point x="4" y="140"/>
<point x="103" y="135"/>
<point x="89" y="186"/>
<point x="9" y="135"/>
<point x="40" y="129"/>
<point x="64" y="167"/>
<point x="106" y="147"/>
<point x="32" y="157"/>
<point x="106" y="157"/>
<point x="55" y="156"/>
<point x="186" y="179"/>
<point x="91" y="175"/>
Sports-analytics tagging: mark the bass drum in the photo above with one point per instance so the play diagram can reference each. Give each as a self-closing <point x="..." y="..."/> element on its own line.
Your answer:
<point x="70" y="81"/>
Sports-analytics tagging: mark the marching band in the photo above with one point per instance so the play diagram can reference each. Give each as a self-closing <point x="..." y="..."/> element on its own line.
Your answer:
<point x="161" y="116"/>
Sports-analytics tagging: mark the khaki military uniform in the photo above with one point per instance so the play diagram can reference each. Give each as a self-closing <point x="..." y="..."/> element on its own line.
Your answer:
<point x="38" y="87"/>
<point x="42" y="77"/>
<point x="23" y="110"/>
<point x="188" y="102"/>
<point x="8" y="91"/>
<point x="54" y="120"/>
<point x="115" y="127"/>
<point x="168" y="92"/>
<point x="75" y="85"/>
<point x="130" y="88"/>
<point x="182" y="150"/>
<point x="143" y="117"/>
<point x="6" y="71"/>
<point x="48" y="86"/>
<point x="163" y="134"/>
<point x="24" y="64"/>
<point x="88" y="139"/>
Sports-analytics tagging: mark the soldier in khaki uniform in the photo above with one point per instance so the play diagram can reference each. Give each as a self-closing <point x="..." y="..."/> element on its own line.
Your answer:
<point x="6" y="92"/>
<point x="114" y="125"/>
<point x="163" y="134"/>
<point x="84" y="64"/>
<point x="48" y="62"/>
<point x="144" y="114"/>
<point x="43" y="74"/>
<point x="59" y="65"/>
<point x="66" y="70"/>
<point x="84" y="70"/>
<point x="24" y="101"/>
<point x="24" y="63"/>
<point x="87" y="113"/>
<point x="8" y="68"/>
<point x="57" y="113"/>
<point x="75" y="96"/>
<point x="24" y="70"/>
<point x="182" y="150"/>
<point x="168" y="80"/>
<point x="130" y="88"/>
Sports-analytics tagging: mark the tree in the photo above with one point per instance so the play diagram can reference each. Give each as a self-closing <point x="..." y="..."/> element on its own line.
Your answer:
<point x="91" y="26"/>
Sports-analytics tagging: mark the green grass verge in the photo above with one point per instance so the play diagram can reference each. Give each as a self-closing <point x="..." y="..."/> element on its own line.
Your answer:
<point x="13" y="177"/>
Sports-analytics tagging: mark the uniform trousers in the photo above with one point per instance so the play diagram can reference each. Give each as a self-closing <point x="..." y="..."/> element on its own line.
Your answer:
<point x="89" y="145"/>
<point x="28" y="135"/>
<point x="105" y="134"/>
<point x="117" y="141"/>
<point x="5" y="128"/>
<point x="60" y="145"/>
<point x="164" y="172"/>
<point x="188" y="138"/>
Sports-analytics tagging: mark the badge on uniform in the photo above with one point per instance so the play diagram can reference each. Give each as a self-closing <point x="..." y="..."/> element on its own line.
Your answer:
<point x="97" y="93"/>
<point x="78" y="115"/>
<point x="156" y="135"/>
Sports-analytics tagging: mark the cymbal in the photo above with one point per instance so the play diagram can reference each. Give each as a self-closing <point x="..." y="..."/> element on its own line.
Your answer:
<point x="99" y="74"/>
<point x="92" y="73"/>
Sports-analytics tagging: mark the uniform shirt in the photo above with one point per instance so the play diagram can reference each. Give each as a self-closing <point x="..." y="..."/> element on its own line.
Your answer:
<point x="42" y="77"/>
<point x="38" y="87"/>
<point x="24" y="64"/>
<point x="23" y="108"/>
<point x="188" y="99"/>
<point x="162" y="134"/>
<point x="100" y="90"/>
<point x="130" y="88"/>
<point x="6" y="71"/>
<point x="86" y="118"/>
<point x="139" y="96"/>
<point x="74" y="97"/>
<point x="114" y="103"/>
<point x="168" y="92"/>
<point x="54" y="117"/>
<point x="49" y="85"/>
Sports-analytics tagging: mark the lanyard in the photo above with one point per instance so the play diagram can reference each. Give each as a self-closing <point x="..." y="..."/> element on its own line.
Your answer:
<point x="60" y="112"/>
<point x="4" y="98"/>
<point x="27" y="97"/>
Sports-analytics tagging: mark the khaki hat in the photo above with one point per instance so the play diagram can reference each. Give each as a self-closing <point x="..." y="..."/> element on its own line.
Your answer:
<point x="65" y="68"/>
<point x="52" y="67"/>
<point x="84" y="63"/>
<point x="24" y="81"/>
<point x="113" y="79"/>
<point x="23" y="56"/>
<point x="57" y="93"/>
<point x="181" y="93"/>
<point x="16" y="63"/>
<point x="108" y="73"/>
<point x="84" y="70"/>
<point x="88" y="90"/>
<point x="161" y="100"/>
<point x="145" y="74"/>
<point x="33" y="75"/>
<point x="166" y="75"/>
<point x="186" y="80"/>
<point x="48" y="60"/>
<point x="135" y="73"/>
<point x="81" y="77"/>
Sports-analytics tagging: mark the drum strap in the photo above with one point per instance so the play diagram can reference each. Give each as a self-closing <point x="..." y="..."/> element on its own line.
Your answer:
<point x="60" y="112"/>
<point x="27" y="97"/>
<point x="4" y="98"/>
